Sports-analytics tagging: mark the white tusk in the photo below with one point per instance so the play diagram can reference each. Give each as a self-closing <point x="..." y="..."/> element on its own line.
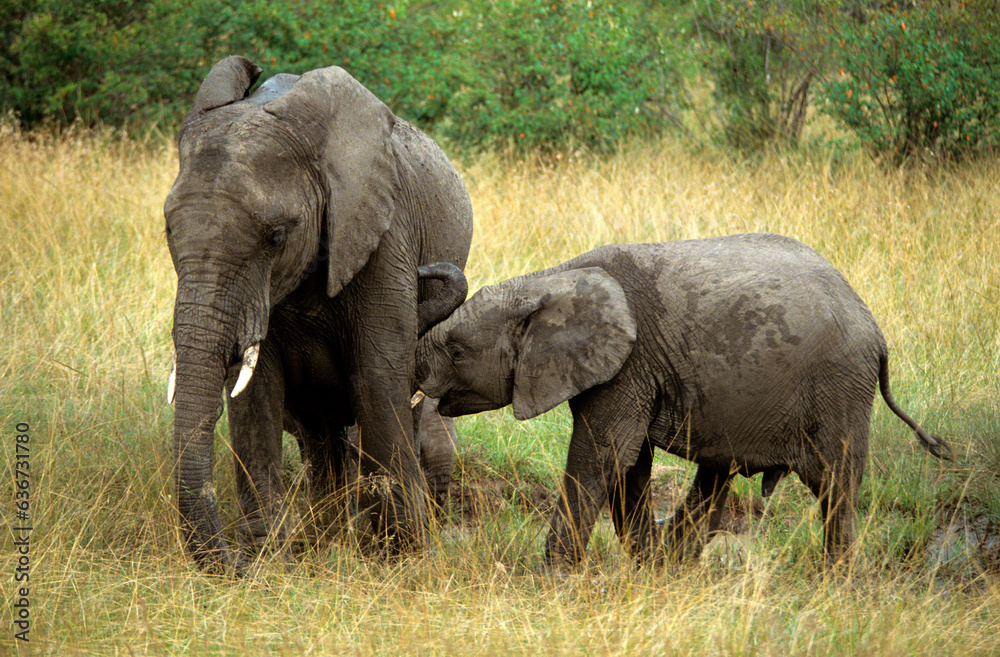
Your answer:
<point x="417" y="397"/>
<point x="246" y="372"/>
<point x="172" y="382"/>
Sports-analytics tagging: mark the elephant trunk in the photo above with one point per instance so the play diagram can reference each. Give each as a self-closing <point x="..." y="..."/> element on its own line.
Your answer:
<point x="449" y="296"/>
<point x="427" y="364"/>
<point x="197" y="406"/>
<point x="207" y="342"/>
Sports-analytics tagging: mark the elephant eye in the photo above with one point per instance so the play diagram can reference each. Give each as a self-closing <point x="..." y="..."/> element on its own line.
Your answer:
<point x="276" y="236"/>
<point x="456" y="350"/>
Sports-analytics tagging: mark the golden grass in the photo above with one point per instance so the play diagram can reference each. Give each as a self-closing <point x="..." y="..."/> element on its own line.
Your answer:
<point x="86" y="290"/>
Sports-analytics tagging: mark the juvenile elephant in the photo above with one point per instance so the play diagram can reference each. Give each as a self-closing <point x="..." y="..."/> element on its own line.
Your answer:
<point x="296" y="225"/>
<point x="744" y="354"/>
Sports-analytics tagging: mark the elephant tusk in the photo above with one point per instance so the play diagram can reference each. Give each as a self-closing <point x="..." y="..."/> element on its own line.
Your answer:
<point x="246" y="371"/>
<point x="417" y="397"/>
<point x="172" y="382"/>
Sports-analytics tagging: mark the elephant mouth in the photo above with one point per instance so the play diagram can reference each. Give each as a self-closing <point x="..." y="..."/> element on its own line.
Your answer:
<point x="454" y="404"/>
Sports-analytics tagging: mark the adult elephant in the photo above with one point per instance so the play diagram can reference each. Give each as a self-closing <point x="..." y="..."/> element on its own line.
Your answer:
<point x="296" y="225"/>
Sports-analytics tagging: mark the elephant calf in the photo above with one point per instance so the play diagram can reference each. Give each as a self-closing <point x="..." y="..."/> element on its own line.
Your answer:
<point x="745" y="354"/>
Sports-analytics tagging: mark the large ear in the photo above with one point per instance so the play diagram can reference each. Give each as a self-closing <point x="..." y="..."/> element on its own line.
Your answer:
<point x="578" y="331"/>
<point x="350" y="130"/>
<point x="227" y="82"/>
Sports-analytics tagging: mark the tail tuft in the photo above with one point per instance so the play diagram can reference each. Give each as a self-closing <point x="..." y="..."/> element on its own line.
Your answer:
<point x="942" y="450"/>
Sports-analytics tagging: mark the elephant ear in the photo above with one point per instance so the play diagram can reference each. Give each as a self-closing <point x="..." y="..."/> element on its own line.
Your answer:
<point x="577" y="332"/>
<point x="349" y="131"/>
<point x="227" y="82"/>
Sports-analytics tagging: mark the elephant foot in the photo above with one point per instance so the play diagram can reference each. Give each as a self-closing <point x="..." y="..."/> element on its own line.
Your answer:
<point x="389" y="524"/>
<point x="649" y="548"/>
<point x="257" y="544"/>
<point x="329" y="518"/>
<point x="679" y="541"/>
<point x="255" y="547"/>
<point x="561" y="570"/>
<point x="559" y="560"/>
<point x="231" y="565"/>
<point x="437" y="488"/>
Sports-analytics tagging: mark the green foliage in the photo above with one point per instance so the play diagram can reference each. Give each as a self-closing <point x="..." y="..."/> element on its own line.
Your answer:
<point x="922" y="83"/>
<point x="532" y="73"/>
<point x="763" y="56"/>
<point x="549" y="72"/>
<point x="62" y="60"/>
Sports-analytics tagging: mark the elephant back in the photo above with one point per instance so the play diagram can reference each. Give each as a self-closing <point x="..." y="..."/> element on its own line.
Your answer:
<point x="439" y="204"/>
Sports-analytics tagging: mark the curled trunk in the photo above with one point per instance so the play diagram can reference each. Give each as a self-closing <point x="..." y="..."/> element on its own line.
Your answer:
<point x="446" y="299"/>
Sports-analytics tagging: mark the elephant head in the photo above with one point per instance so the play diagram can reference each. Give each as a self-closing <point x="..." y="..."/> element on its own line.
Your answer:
<point x="533" y="341"/>
<point x="299" y="177"/>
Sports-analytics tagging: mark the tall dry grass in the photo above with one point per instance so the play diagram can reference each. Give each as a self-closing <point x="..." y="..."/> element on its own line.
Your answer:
<point x="86" y="291"/>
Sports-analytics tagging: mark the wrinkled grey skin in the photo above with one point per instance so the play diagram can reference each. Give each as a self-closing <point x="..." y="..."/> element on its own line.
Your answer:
<point x="437" y="440"/>
<point x="298" y="220"/>
<point x="744" y="354"/>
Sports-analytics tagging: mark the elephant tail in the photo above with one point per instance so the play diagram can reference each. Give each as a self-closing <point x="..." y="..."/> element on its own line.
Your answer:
<point x="933" y="444"/>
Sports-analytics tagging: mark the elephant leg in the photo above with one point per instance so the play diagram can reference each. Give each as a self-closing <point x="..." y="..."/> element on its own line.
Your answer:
<point x="438" y="439"/>
<point x="698" y="517"/>
<point x="391" y="492"/>
<point x="329" y="471"/>
<point x="255" y="421"/>
<point x="584" y="492"/>
<point x="835" y="481"/>
<point x="378" y="309"/>
<point x="605" y="447"/>
<point x="391" y="496"/>
<point x="629" y="502"/>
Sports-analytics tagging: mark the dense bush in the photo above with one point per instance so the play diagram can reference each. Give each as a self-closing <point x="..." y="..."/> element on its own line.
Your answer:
<point x="530" y="73"/>
<point x="65" y="60"/>
<point x="910" y="78"/>
<point x="763" y="56"/>
<point x="920" y="83"/>
<point x="555" y="72"/>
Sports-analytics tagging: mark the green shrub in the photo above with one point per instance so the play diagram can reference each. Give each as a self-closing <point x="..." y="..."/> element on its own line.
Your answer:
<point x="66" y="61"/>
<point x="408" y="55"/>
<point x="115" y="63"/>
<point x="763" y="56"/>
<point x="532" y="73"/>
<point x="921" y="83"/>
<point x="544" y="72"/>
